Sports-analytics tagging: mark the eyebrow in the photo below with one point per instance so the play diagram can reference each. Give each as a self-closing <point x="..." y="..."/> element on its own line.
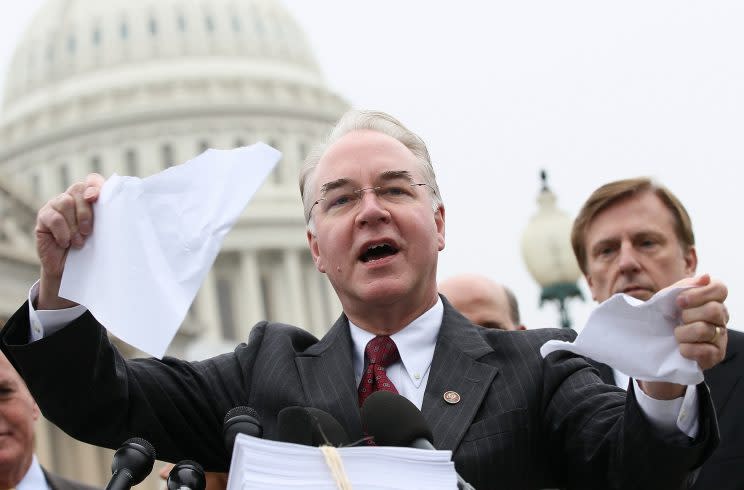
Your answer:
<point x="385" y="176"/>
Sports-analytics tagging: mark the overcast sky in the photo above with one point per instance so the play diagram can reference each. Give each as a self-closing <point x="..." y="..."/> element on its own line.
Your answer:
<point x="591" y="91"/>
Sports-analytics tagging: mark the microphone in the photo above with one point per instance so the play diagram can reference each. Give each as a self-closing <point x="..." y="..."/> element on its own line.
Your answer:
<point x="131" y="464"/>
<point x="310" y="427"/>
<point x="187" y="475"/>
<point x="240" y="420"/>
<point x="394" y="421"/>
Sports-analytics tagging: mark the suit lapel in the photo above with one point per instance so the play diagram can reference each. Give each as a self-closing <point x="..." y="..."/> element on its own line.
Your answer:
<point x="327" y="376"/>
<point x="53" y="481"/>
<point x="455" y="367"/>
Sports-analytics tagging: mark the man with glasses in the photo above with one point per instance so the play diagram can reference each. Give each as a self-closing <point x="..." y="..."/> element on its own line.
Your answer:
<point x="376" y="225"/>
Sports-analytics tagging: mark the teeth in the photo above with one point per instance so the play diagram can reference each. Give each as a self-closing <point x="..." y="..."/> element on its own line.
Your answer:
<point x="376" y="246"/>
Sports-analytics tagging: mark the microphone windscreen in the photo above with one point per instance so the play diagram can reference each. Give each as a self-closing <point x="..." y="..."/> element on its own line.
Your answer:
<point x="241" y="410"/>
<point x="293" y="425"/>
<point x="186" y="474"/>
<point x="240" y="420"/>
<point x="136" y="455"/>
<point x="326" y="429"/>
<point x="310" y="427"/>
<point x="393" y="420"/>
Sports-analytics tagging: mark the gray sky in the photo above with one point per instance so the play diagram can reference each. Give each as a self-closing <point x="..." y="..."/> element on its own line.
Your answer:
<point x="591" y="91"/>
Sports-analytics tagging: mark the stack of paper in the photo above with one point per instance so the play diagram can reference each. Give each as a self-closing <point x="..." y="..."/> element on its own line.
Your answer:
<point x="259" y="463"/>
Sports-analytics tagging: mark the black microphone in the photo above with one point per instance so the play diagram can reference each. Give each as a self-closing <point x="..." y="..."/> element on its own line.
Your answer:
<point x="311" y="427"/>
<point x="240" y="420"/>
<point x="186" y="475"/>
<point x="131" y="464"/>
<point x="394" y="421"/>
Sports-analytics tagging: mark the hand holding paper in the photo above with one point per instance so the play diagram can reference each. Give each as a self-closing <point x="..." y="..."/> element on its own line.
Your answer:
<point x="635" y="337"/>
<point x="155" y="240"/>
<point x="670" y="338"/>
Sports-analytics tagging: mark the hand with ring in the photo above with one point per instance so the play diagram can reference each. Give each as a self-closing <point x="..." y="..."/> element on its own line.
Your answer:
<point x="702" y="335"/>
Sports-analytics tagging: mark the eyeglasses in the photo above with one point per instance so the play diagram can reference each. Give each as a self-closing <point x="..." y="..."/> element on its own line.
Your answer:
<point x="345" y="198"/>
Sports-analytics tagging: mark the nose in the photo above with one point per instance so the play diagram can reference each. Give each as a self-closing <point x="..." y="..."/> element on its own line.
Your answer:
<point x="627" y="260"/>
<point x="371" y="209"/>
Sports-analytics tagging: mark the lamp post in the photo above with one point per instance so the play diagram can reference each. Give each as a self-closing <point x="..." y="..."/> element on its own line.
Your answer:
<point x="546" y="251"/>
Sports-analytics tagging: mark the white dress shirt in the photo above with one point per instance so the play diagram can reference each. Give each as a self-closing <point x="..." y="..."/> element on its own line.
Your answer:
<point x="681" y="413"/>
<point x="34" y="478"/>
<point x="416" y="344"/>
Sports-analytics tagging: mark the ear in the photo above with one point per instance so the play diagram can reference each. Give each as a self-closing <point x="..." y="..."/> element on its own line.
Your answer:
<point x="312" y="241"/>
<point x="439" y="221"/>
<point x="35" y="412"/>
<point x="691" y="260"/>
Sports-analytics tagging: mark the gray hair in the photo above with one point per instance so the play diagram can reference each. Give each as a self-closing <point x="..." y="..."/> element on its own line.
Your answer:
<point x="356" y="120"/>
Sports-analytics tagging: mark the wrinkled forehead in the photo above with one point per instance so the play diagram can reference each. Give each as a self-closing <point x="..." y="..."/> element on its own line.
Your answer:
<point x="636" y="214"/>
<point x="365" y="158"/>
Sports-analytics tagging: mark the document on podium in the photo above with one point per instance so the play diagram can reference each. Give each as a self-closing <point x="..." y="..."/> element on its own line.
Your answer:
<point x="263" y="464"/>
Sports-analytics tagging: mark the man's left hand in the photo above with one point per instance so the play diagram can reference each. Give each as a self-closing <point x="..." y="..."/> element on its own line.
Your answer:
<point x="702" y="335"/>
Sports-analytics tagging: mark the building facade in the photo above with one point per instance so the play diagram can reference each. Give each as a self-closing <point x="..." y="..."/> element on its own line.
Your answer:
<point x="133" y="87"/>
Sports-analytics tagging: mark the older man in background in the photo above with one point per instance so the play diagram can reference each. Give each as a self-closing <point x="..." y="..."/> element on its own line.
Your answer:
<point x="483" y="301"/>
<point x="635" y="237"/>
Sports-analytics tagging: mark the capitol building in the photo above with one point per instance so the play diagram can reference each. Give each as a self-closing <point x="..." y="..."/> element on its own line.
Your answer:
<point x="134" y="87"/>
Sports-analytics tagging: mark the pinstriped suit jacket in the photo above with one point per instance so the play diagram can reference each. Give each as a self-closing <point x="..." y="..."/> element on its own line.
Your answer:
<point x="724" y="470"/>
<point x="523" y="422"/>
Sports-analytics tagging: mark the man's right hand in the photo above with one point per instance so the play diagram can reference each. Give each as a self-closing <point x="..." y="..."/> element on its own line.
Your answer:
<point x="65" y="221"/>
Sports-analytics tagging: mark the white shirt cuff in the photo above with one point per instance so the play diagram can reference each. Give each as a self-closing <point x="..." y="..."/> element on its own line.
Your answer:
<point x="46" y="322"/>
<point x="671" y="416"/>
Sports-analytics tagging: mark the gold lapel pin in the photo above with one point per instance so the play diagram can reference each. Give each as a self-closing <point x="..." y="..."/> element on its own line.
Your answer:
<point x="451" y="397"/>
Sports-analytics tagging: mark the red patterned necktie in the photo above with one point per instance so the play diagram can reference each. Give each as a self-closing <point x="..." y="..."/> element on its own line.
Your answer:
<point x="380" y="353"/>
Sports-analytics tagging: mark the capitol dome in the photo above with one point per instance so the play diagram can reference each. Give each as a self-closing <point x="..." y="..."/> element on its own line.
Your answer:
<point x="94" y="68"/>
<point x="105" y="45"/>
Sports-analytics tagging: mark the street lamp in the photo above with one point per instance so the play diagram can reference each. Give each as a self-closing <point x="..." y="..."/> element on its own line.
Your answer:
<point x="546" y="251"/>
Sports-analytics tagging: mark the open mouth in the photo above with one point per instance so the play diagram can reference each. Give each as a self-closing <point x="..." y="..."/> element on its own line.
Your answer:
<point x="377" y="252"/>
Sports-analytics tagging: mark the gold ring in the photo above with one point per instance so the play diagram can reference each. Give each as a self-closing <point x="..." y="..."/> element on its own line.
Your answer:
<point x="715" y="335"/>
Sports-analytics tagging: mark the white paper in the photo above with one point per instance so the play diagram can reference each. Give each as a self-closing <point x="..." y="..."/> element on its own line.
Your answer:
<point x="636" y="338"/>
<point x="155" y="239"/>
<point x="263" y="464"/>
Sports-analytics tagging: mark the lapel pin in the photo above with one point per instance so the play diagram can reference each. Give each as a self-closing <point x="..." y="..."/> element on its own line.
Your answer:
<point x="451" y="397"/>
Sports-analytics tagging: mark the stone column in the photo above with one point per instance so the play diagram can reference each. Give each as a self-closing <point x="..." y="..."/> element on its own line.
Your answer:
<point x="295" y="299"/>
<point x="207" y="307"/>
<point x="250" y="296"/>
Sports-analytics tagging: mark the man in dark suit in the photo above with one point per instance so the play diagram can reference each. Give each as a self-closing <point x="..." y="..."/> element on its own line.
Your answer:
<point x="635" y="237"/>
<point x="19" y="467"/>
<point x="375" y="228"/>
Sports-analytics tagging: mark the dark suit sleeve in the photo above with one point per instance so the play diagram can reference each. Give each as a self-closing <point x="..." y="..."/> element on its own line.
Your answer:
<point x="604" y="435"/>
<point x="83" y="385"/>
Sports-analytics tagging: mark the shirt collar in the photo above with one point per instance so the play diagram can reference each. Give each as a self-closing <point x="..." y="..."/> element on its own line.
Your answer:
<point x="34" y="478"/>
<point x="415" y="342"/>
